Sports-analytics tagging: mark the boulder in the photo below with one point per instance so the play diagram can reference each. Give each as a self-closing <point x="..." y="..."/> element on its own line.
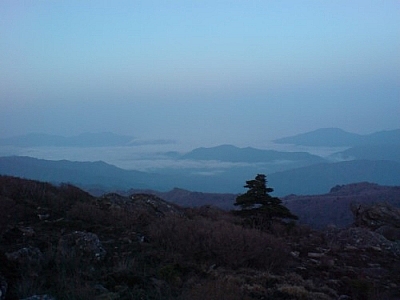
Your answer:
<point x="356" y="238"/>
<point x="40" y="297"/>
<point x="380" y="215"/>
<point x="389" y="232"/>
<point x="152" y="204"/>
<point x="27" y="256"/>
<point x="81" y="244"/>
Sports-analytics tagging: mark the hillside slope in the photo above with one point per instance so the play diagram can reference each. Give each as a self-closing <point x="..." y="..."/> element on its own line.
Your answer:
<point x="58" y="242"/>
<point x="333" y="208"/>
<point x="79" y="173"/>
<point x="318" y="179"/>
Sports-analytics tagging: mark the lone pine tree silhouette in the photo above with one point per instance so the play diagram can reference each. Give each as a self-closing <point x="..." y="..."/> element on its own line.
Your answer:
<point x="258" y="207"/>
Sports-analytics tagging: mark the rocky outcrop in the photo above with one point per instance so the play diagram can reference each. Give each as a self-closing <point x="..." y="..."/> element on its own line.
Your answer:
<point x="156" y="204"/>
<point x="40" y="297"/>
<point x="377" y="215"/>
<point x="81" y="244"/>
<point x="152" y="204"/>
<point x="26" y="256"/>
<point x="381" y="218"/>
<point x="364" y="239"/>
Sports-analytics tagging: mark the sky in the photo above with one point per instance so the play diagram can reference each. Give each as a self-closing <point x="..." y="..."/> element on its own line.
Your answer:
<point x="203" y="72"/>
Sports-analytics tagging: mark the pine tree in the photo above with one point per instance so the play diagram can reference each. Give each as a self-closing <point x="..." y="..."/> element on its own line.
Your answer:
<point x="258" y="207"/>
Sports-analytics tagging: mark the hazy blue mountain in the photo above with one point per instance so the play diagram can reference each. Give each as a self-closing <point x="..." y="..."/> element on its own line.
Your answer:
<point x="229" y="153"/>
<point x="335" y="137"/>
<point x="371" y="152"/>
<point x="100" y="175"/>
<point x="314" y="179"/>
<point x="389" y="137"/>
<point x="318" y="179"/>
<point x="83" y="174"/>
<point x="82" y="140"/>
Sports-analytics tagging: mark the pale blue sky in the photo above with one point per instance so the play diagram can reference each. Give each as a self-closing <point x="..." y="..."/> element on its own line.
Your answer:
<point x="209" y="72"/>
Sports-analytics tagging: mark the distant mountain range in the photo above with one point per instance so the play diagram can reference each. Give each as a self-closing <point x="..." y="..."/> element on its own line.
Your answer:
<point x="371" y="152"/>
<point x="323" y="137"/>
<point x="222" y="169"/>
<point x="229" y="153"/>
<point x="304" y="180"/>
<point x="313" y="179"/>
<point x="319" y="178"/>
<point x="335" y="137"/>
<point x="82" y="174"/>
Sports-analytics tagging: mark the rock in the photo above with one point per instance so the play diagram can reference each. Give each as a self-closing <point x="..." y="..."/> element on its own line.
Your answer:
<point x="376" y="272"/>
<point x="393" y="285"/>
<point x="100" y="288"/>
<point x="27" y="231"/>
<point x="3" y="287"/>
<point x="81" y="244"/>
<point x="156" y="204"/>
<point x="329" y="262"/>
<point x="376" y="216"/>
<point x="350" y="248"/>
<point x="295" y="254"/>
<point x="39" y="297"/>
<point x="389" y="232"/>
<point x="356" y="238"/>
<point x="151" y="204"/>
<point x="26" y="256"/>
<point x="108" y="296"/>
<point x="315" y="255"/>
<point x="376" y="248"/>
<point x="43" y="217"/>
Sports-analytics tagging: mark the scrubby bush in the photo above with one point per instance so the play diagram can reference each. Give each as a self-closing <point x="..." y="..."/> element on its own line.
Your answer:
<point x="217" y="242"/>
<point x="89" y="213"/>
<point x="215" y="289"/>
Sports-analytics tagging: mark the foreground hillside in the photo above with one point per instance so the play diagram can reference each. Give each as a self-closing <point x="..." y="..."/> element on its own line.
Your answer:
<point x="66" y="244"/>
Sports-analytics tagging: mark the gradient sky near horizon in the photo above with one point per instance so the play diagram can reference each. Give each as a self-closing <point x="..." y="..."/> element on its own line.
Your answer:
<point x="207" y="72"/>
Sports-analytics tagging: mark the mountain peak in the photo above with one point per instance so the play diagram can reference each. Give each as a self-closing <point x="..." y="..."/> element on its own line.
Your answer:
<point x="336" y="137"/>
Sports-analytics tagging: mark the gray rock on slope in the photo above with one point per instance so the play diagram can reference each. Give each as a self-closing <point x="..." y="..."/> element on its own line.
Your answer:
<point x="81" y="244"/>
<point x="381" y="218"/>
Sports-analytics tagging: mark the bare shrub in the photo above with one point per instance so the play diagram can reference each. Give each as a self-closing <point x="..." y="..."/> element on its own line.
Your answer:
<point x="178" y="235"/>
<point x="237" y="247"/>
<point x="131" y="217"/>
<point x="8" y="212"/>
<point x="89" y="213"/>
<point x="215" y="289"/>
<point x="218" y="242"/>
<point x="297" y="292"/>
<point x="212" y="213"/>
